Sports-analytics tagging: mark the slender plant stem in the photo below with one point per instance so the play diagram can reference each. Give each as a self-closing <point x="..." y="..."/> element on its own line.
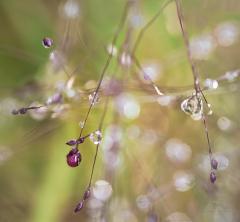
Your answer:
<point x="97" y="147"/>
<point x="143" y="30"/>
<point x="194" y="72"/>
<point x="119" y="29"/>
<point x="186" y="41"/>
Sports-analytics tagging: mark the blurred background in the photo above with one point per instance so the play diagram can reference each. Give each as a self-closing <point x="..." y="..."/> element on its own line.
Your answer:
<point x="153" y="162"/>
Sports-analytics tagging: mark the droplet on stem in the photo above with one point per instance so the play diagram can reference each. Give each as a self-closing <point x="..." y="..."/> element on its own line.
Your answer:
<point x="81" y="124"/>
<point x="93" y="98"/>
<point x="96" y="137"/>
<point x="193" y="105"/>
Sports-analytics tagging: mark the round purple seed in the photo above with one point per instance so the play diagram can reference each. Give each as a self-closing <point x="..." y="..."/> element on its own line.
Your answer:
<point x="47" y="42"/>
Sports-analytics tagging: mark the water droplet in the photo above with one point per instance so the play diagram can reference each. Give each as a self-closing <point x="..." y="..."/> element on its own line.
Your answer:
<point x="96" y="137"/>
<point x="193" y="105"/>
<point x="93" y="98"/>
<point x="126" y="59"/>
<point x="112" y="50"/>
<point x="211" y="83"/>
<point x="81" y="124"/>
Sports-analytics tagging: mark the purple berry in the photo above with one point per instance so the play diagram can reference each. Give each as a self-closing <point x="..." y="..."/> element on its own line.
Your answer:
<point x="47" y="42"/>
<point x="73" y="158"/>
<point x="71" y="142"/>
<point x="79" y="206"/>
<point x="214" y="164"/>
<point x="212" y="177"/>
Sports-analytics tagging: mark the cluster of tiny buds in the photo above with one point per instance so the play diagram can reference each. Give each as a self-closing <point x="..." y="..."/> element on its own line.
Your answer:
<point x="214" y="166"/>
<point x="86" y="196"/>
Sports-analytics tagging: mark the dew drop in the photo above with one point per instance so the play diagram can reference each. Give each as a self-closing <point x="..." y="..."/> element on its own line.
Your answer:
<point x="96" y="137"/>
<point x="81" y="124"/>
<point x="93" y="98"/>
<point x="193" y="105"/>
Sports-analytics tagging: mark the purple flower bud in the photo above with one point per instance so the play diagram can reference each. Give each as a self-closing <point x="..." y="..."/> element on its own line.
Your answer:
<point x="79" y="206"/>
<point x="74" y="158"/>
<point x="214" y="164"/>
<point x="80" y="140"/>
<point x="47" y="42"/>
<point x="15" y="112"/>
<point x="86" y="194"/>
<point x="71" y="142"/>
<point x="212" y="177"/>
<point x="22" y="111"/>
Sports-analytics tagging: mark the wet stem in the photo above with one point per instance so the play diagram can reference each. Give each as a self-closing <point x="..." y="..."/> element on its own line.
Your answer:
<point x="194" y="72"/>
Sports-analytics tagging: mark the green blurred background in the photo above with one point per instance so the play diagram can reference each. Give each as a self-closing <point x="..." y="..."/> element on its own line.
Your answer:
<point x="149" y="184"/>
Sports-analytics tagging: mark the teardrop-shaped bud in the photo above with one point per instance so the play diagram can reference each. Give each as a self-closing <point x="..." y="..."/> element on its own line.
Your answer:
<point x="214" y="164"/>
<point x="87" y="194"/>
<point x="212" y="177"/>
<point x="47" y="42"/>
<point x="79" y="206"/>
<point x="71" y="142"/>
